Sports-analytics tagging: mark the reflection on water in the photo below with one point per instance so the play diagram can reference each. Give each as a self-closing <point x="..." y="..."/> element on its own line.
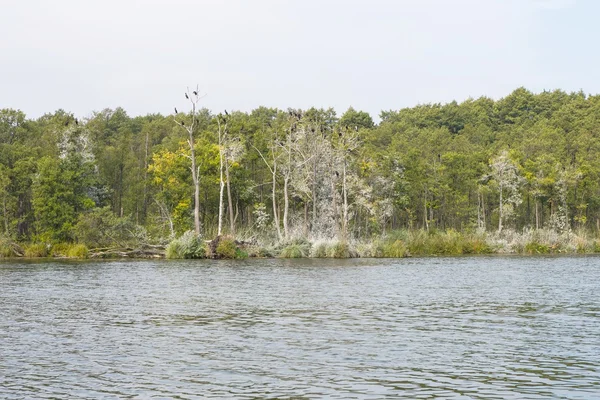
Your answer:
<point x="448" y="327"/>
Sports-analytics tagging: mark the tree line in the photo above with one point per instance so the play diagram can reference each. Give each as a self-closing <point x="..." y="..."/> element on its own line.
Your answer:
<point x="526" y="161"/>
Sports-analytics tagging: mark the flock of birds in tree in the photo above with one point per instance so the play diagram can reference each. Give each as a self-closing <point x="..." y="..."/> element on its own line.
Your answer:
<point x="68" y="121"/>
<point x="293" y="113"/>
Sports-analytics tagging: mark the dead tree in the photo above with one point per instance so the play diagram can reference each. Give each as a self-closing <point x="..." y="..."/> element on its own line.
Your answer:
<point x="193" y="97"/>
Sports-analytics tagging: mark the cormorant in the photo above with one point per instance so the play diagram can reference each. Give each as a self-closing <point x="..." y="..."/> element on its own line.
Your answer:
<point x="76" y="122"/>
<point x="182" y="124"/>
<point x="175" y="110"/>
<point x="195" y="93"/>
<point x="226" y="113"/>
<point x="186" y="96"/>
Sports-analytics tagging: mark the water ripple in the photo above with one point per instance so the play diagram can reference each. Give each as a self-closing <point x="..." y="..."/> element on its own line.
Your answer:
<point x="486" y="328"/>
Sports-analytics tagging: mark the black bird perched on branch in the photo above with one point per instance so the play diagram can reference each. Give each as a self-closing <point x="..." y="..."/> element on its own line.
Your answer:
<point x="182" y="124"/>
<point x="337" y="174"/>
<point x="186" y="96"/>
<point x="175" y="110"/>
<point x="195" y="93"/>
<point x="226" y="113"/>
<point x="76" y="122"/>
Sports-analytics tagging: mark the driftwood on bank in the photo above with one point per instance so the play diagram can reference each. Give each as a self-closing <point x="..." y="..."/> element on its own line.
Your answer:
<point x="147" y="251"/>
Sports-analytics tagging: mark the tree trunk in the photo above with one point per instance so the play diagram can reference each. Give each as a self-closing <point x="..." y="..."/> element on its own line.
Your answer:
<point x="537" y="214"/>
<point x="500" y="212"/>
<point x="345" y="210"/>
<point x="306" y="218"/>
<point x="425" y="213"/>
<point x="5" y="215"/>
<point x="286" y="206"/>
<point x="275" y="213"/>
<point x="314" y="198"/>
<point x="229" y="202"/>
<point x="196" y="189"/>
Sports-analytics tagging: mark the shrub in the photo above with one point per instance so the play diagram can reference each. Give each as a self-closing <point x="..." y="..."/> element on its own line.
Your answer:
<point x="340" y="250"/>
<point x="5" y="250"/>
<point x="100" y="227"/>
<point x="228" y="249"/>
<point x="477" y="245"/>
<point x="536" y="248"/>
<point x="60" y="250"/>
<point x="259" y="252"/>
<point x="188" y="246"/>
<point x="8" y="248"/>
<point x="36" y="250"/>
<point x="391" y="249"/>
<point x="293" y="251"/>
<point x="78" y="251"/>
<point x="319" y="250"/>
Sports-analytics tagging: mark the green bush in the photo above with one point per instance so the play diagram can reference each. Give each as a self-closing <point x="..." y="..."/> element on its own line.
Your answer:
<point x="35" y="250"/>
<point x="537" y="248"/>
<point x="446" y="243"/>
<point x="100" y="227"/>
<point x="259" y="252"/>
<point x="320" y="251"/>
<point x="78" y="251"/>
<point x="5" y="250"/>
<point x="340" y="250"/>
<point x="293" y="251"/>
<point x="188" y="246"/>
<point x="8" y="248"/>
<point x="69" y="250"/>
<point x="391" y="249"/>
<point x="226" y="248"/>
<point x="60" y="250"/>
<point x="477" y="245"/>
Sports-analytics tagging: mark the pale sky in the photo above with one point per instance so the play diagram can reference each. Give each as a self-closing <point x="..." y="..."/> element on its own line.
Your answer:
<point x="84" y="56"/>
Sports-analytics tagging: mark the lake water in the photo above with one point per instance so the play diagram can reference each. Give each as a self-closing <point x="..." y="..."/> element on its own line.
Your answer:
<point x="480" y="327"/>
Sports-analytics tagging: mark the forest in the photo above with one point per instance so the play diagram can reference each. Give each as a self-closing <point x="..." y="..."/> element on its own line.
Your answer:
<point x="520" y="171"/>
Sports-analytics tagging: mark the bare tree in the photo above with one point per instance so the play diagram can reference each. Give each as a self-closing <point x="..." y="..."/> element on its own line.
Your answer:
<point x="347" y="143"/>
<point x="506" y="175"/>
<point x="273" y="169"/>
<point x="230" y="150"/>
<point x="222" y="123"/>
<point x="189" y="123"/>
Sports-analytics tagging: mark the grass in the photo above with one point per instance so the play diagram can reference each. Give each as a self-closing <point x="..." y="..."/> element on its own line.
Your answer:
<point x="390" y="249"/>
<point x="295" y="248"/>
<point x="36" y="250"/>
<point x="8" y="248"/>
<point x="69" y="250"/>
<point x="78" y="251"/>
<point x="188" y="246"/>
<point x="228" y="249"/>
<point x="293" y="251"/>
